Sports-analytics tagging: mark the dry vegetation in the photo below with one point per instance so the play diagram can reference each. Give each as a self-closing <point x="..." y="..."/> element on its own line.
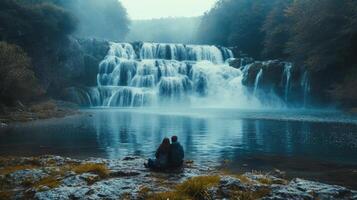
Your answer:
<point x="11" y="169"/>
<point x="55" y="172"/>
<point x="249" y="195"/>
<point x="197" y="188"/>
<point x="39" y="110"/>
<point x="99" y="169"/>
<point x="193" y="188"/>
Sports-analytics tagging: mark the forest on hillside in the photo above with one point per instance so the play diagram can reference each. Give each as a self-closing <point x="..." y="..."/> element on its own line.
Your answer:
<point x="37" y="44"/>
<point x="320" y="36"/>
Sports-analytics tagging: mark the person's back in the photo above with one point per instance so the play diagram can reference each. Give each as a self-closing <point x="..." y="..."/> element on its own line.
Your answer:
<point x="162" y="155"/>
<point x="177" y="154"/>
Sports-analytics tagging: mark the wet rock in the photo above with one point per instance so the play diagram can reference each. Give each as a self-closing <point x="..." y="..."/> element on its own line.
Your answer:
<point x="354" y="195"/>
<point x="228" y="183"/>
<point x="3" y="125"/>
<point x="75" y="181"/>
<point x="112" y="189"/>
<point x="23" y="176"/>
<point x="306" y="190"/>
<point x="272" y="73"/>
<point x="128" y="177"/>
<point x="280" y="192"/>
<point x="54" y="160"/>
<point x="240" y="62"/>
<point x="44" y="188"/>
<point x="124" y="173"/>
<point x="129" y="158"/>
<point x="278" y="173"/>
<point x="321" y="190"/>
<point x="264" y="178"/>
<point x="63" y="193"/>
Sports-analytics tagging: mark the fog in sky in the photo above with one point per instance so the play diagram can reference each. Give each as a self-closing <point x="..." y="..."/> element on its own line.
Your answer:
<point x="148" y="9"/>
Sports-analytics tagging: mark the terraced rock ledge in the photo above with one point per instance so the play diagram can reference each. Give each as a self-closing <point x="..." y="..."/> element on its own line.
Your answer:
<point x="54" y="177"/>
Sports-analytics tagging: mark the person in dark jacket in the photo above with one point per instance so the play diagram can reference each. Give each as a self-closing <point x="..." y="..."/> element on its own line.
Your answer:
<point x="162" y="156"/>
<point x="176" y="154"/>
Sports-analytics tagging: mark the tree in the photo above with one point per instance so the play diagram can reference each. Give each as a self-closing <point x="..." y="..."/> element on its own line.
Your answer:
<point x="105" y="19"/>
<point x="33" y="25"/>
<point x="276" y="30"/>
<point x="17" y="80"/>
<point x="323" y="38"/>
<point x="236" y="23"/>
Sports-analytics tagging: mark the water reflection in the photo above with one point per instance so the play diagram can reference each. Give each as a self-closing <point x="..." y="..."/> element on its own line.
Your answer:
<point x="118" y="133"/>
<point x="250" y="141"/>
<point x="124" y="133"/>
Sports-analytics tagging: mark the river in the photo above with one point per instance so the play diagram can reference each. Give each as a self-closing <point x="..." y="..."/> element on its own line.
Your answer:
<point x="320" y="145"/>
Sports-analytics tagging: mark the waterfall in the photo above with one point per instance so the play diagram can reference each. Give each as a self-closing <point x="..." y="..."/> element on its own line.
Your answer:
<point x="182" y="52"/>
<point x="154" y="74"/>
<point x="257" y="81"/>
<point x="286" y="76"/>
<point x="305" y="85"/>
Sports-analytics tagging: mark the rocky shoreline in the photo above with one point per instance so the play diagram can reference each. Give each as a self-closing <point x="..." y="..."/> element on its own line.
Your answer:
<point x="54" y="177"/>
<point x="36" y="111"/>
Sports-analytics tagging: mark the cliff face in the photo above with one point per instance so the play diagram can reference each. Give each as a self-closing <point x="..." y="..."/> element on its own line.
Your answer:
<point x="73" y="63"/>
<point x="281" y="78"/>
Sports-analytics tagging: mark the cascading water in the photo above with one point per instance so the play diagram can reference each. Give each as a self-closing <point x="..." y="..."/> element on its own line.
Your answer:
<point x="153" y="74"/>
<point x="286" y="77"/>
<point x="305" y="85"/>
<point x="257" y="81"/>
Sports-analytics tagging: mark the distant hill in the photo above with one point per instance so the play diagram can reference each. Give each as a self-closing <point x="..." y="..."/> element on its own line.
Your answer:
<point x="165" y="30"/>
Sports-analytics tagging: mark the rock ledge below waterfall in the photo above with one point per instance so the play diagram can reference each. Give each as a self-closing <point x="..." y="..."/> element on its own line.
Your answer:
<point x="54" y="177"/>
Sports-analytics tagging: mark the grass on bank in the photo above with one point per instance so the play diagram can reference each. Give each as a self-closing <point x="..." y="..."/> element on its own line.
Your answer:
<point x="55" y="177"/>
<point x="249" y="195"/>
<point x="95" y="168"/>
<point x="55" y="172"/>
<point x="195" y="188"/>
<point x="12" y="169"/>
<point x="5" y="195"/>
<point x="49" y="182"/>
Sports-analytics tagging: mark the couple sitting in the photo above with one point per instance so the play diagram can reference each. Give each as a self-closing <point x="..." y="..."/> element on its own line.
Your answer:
<point x="167" y="155"/>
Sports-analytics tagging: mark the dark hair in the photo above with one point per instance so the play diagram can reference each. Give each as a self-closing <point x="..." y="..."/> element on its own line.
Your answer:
<point x="165" y="145"/>
<point x="174" y="138"/>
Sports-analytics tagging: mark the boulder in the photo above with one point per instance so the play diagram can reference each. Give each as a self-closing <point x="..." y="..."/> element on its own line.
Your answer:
<point x="281" y="192"/>
<point x="3" y="125"/>
<point x="321" y="190"/>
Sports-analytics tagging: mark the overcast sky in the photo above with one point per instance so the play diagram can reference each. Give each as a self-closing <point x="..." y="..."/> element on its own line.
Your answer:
<point x="148" y="9"/>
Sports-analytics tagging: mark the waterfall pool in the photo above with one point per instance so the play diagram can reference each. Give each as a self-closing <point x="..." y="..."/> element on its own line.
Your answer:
<point x="320" y="145"/>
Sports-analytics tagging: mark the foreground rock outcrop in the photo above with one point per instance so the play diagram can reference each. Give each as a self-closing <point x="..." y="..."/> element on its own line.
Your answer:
<point x="53" y="177"/>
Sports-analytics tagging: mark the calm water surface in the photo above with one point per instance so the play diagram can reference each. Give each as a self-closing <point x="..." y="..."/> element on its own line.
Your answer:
<point x="315" y="144"/>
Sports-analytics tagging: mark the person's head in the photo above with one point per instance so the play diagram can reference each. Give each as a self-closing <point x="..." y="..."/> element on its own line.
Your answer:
<point x="165" y="145"/>
<point x="166" y="141"/>
<point x="174" y="138"/>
